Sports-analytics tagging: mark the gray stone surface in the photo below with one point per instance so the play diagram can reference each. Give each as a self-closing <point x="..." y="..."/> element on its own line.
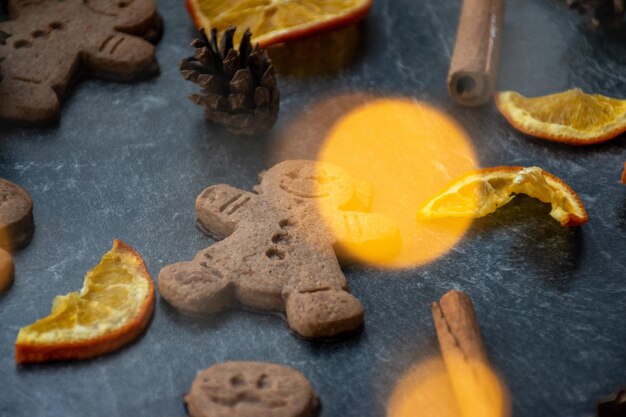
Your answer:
<point x="127" y="160"/>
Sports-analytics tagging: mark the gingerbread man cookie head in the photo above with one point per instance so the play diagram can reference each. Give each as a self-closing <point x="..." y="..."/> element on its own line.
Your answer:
<point x="310" y="183"/>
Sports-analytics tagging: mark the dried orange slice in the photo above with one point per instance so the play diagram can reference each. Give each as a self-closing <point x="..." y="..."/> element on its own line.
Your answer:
<point x="274" y="21"/>
<point x="482" y="192"/>
<point x="113" y="307"/>
<point x="570" y="117"/>
<point x="624" y="174"/>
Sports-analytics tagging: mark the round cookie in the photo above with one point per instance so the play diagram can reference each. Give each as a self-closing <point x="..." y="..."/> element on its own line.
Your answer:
<point x="251" y="389"/>
<point x="16" y="216"/>
<point x="6" y="270"/>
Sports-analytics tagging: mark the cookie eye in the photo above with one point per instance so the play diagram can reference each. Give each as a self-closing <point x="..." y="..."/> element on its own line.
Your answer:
<point x="263" y="382"/>
<point x="38" y="34"/>
<point x="237" y="381"/>
<point x="122" y="4"/>
<point x="56" y="25"/>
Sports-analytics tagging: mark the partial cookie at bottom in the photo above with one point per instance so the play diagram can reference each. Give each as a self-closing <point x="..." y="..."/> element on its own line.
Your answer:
<point x="251" y="389"/>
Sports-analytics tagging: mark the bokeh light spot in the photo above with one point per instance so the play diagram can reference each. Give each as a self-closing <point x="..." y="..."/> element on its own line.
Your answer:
<point x="408" y="151"/>
<point x="433" y="388"/>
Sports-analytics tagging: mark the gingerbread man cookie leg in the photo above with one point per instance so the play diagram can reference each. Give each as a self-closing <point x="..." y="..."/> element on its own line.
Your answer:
<point x="120" y="56"/>
<point x="194" y="289"/>
<point x="325" y="313"/>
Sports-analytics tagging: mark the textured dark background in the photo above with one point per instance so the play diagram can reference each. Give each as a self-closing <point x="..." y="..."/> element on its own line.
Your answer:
<point x="127" y="160"/>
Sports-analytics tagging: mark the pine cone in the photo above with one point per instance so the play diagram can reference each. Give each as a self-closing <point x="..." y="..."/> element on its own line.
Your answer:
<point x="239" y="86"/>
<point x="600" y="10"/>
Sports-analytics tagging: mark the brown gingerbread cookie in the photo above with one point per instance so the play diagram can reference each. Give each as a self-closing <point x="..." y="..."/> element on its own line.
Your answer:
<point x="16" y="216"/>
<point x="6" y="270"/>
<point x="53" y="40"/>
<point x="278" y="253"/>
<point x="251" y="389"/>
<point x="3" y="41"/>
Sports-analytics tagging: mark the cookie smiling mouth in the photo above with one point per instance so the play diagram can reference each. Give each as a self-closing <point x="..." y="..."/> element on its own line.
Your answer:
<point x="303" y="193"/>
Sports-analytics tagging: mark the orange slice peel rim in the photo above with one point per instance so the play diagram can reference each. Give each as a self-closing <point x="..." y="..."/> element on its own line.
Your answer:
<point x="347" y="16"/>
<point x="532" y="181"/>
<point x="28" y="350"/>
<point x="522" y="118"/>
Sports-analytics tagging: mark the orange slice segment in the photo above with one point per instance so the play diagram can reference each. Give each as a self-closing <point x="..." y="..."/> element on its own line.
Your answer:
<point x="113" y="307"/>
<point x="571" y="117"/>
<point x="274" y="21"/>
<point x="484" y="191"/>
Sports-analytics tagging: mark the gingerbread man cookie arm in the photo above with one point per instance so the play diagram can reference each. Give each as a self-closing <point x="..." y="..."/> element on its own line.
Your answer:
<point x="195" y="288"/>
<point x="362" y="198"/>
<point x="370" y="236"/>
<point x="220" y="208"/>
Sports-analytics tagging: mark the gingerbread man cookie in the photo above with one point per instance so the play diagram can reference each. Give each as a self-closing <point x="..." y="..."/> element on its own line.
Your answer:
<point x="52" y="40"/>
<point x="278" y="252"/>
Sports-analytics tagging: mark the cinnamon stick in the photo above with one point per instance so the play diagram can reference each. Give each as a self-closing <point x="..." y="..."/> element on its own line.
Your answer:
<point x="477" y="389"/>
<point x="474" y="64"/>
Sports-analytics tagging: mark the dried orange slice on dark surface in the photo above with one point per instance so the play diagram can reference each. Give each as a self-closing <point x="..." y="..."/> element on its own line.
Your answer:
<point x="482" y="192"/>
<point x="275" y="21"/>
<point x="113" y="307"/>
<point x="571" y="117"/>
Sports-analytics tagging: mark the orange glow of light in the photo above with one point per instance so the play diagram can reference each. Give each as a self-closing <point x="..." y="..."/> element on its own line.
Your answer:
<point x="430" y="390"/>
<point x="408" y="151"/>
